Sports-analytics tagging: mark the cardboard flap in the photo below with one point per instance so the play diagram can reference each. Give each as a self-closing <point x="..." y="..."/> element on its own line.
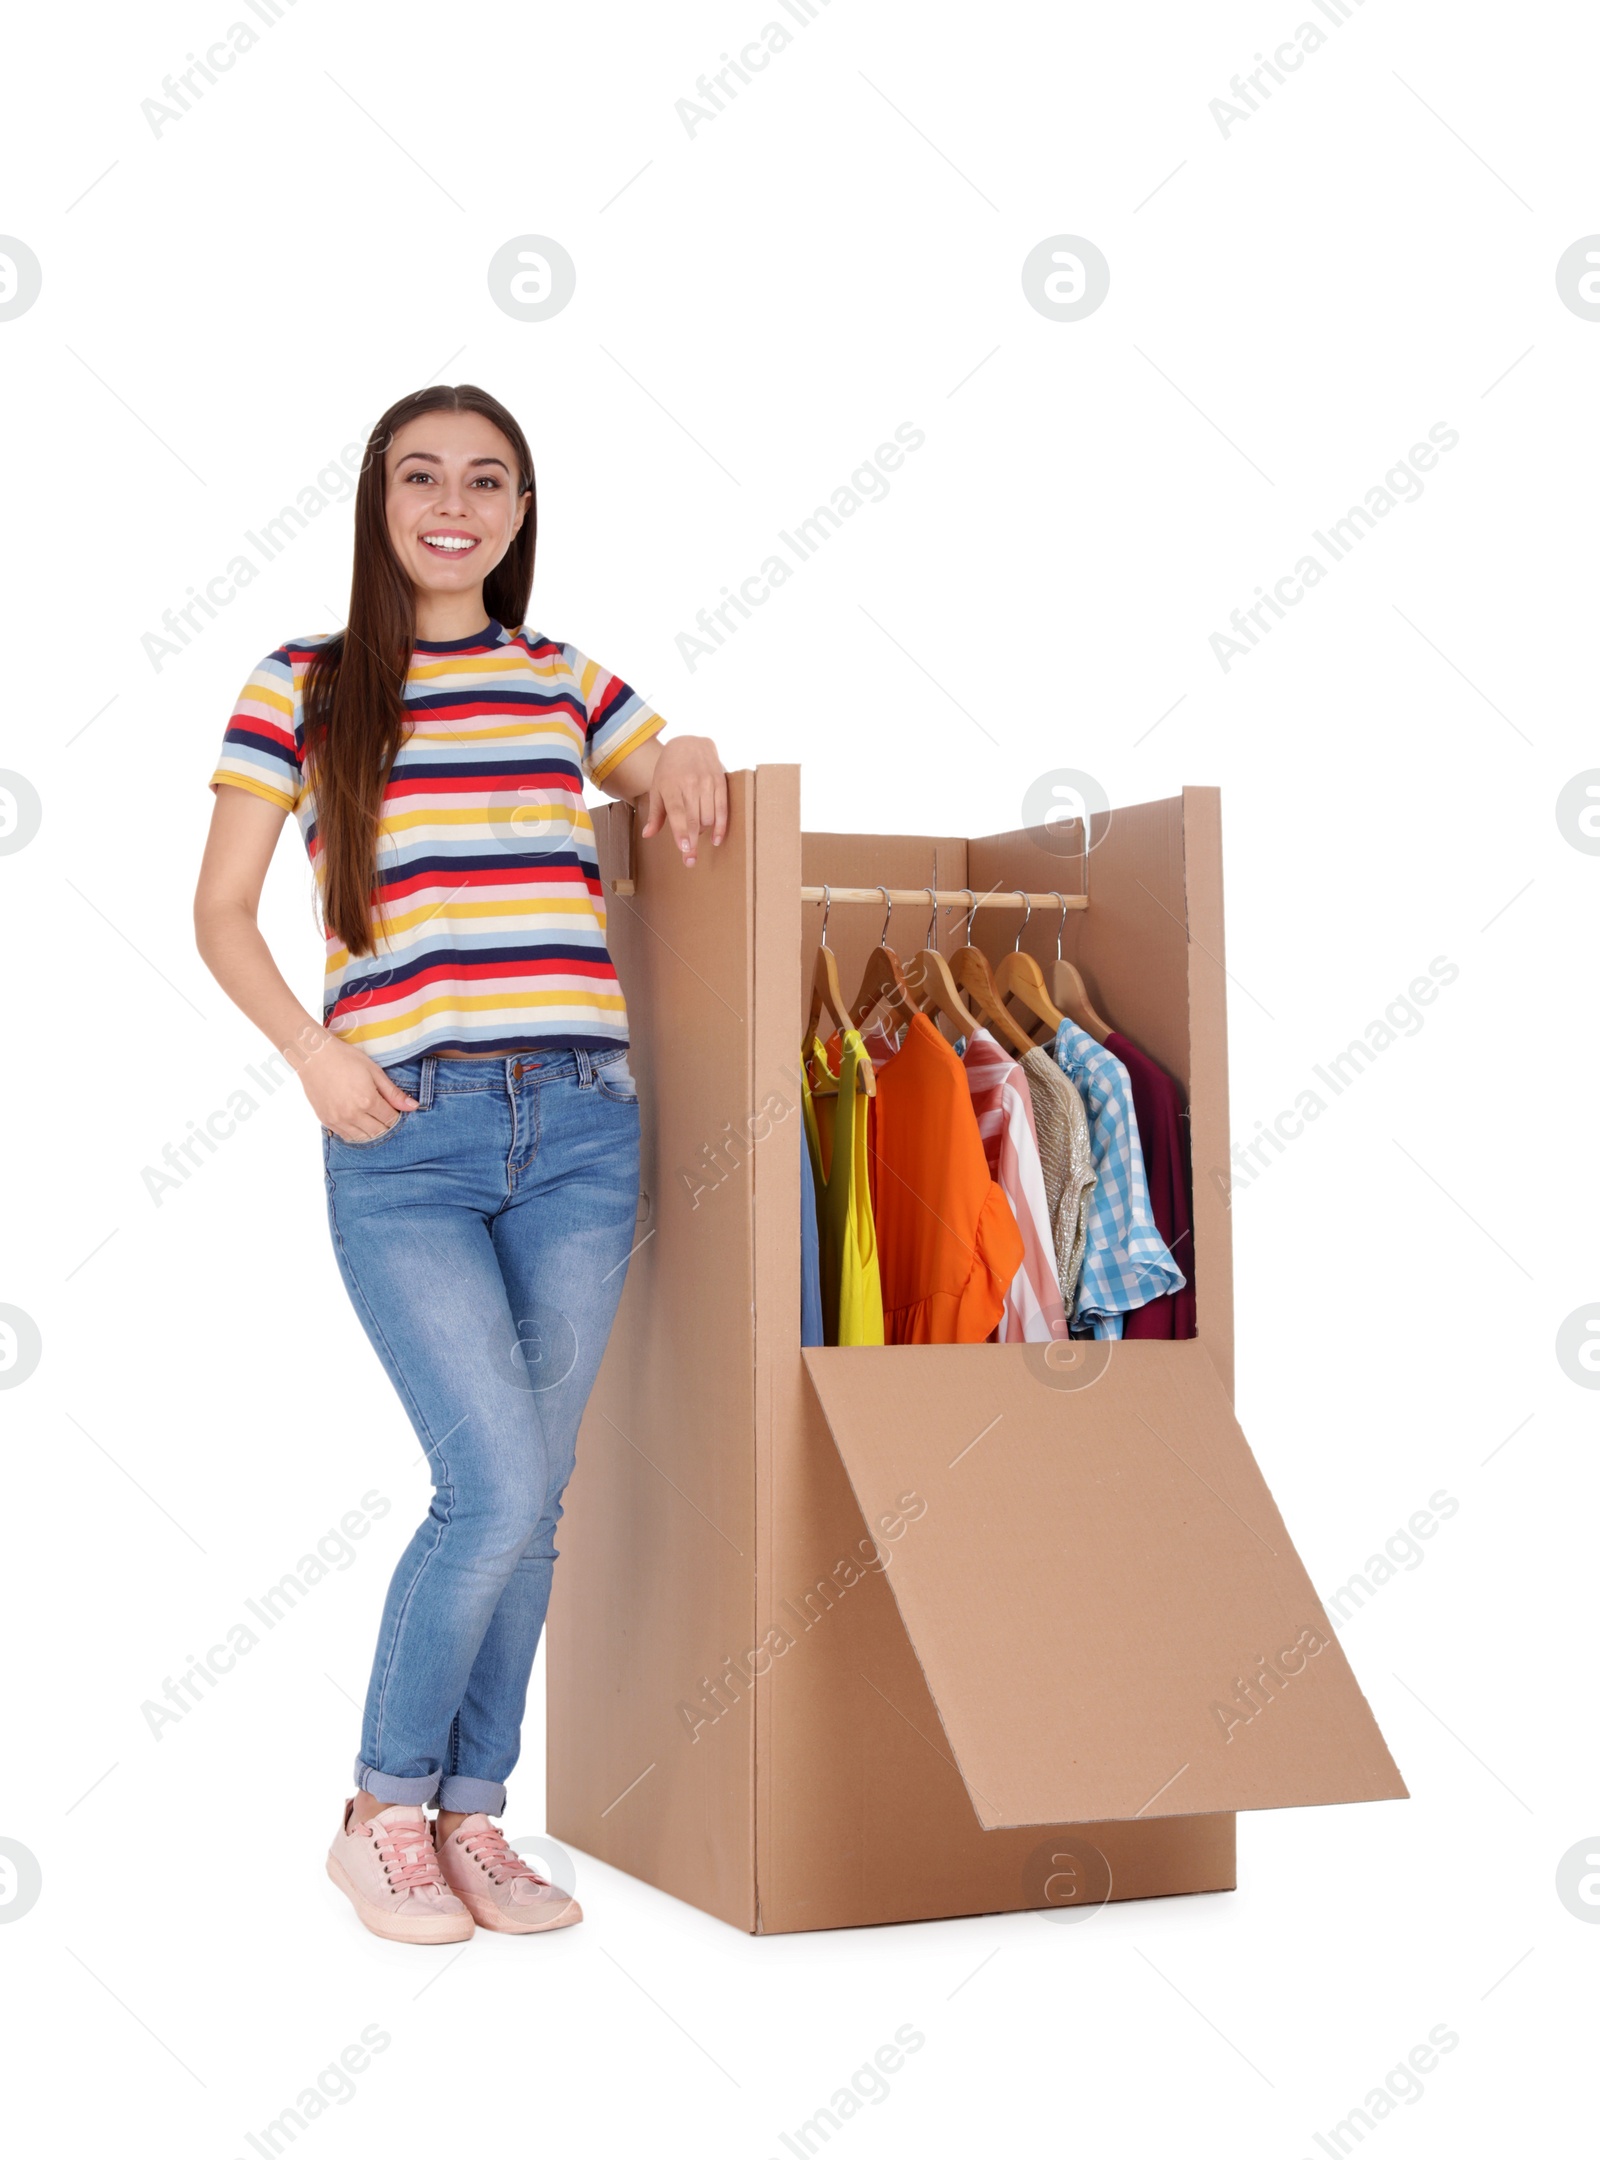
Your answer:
<point x="1102" y="1595"/>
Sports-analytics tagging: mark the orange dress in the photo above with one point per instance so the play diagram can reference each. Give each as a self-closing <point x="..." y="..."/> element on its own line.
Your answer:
<point x="948" y="1242"/>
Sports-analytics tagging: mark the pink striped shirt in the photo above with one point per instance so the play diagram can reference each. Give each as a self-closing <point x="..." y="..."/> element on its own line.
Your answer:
<point x="1003" y="1105"/>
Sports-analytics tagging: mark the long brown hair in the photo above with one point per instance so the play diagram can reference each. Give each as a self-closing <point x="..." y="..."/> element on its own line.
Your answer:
<point x="354" y="692"/>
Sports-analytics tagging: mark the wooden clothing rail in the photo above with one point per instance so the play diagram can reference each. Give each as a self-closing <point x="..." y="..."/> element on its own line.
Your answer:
<point x="911" y="896"/>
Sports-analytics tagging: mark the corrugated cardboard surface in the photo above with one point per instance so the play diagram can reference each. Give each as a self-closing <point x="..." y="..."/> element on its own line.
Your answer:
<point x="1103" y="1598"/>
<point x="864" y="1817"/>
<point x="655" y="1586"/>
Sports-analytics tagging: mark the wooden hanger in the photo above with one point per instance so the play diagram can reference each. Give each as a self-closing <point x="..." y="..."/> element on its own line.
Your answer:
<point x="1071" y="993"/>
<point x="827" y="1001"/>
<point x="972" y="972"/>
<point x="1020" y="976"/>
<point x="929" y="981"/>
<point x="827" y="995"/>
<point x="883" y="979"/>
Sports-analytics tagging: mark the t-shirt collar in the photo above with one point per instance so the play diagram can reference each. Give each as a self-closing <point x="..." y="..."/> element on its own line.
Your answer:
<point x="490" y="634"/>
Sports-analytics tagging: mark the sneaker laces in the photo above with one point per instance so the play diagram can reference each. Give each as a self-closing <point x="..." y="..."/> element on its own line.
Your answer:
<point x="490" y="1846"/>
<point x="406" y="1849"/>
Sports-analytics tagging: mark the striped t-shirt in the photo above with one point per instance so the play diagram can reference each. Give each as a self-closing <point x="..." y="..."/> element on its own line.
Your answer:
<point x="491" y="920"/>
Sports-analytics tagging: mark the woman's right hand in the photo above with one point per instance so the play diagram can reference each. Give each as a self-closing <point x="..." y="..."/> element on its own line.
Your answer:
<point x="352" y="1095"/>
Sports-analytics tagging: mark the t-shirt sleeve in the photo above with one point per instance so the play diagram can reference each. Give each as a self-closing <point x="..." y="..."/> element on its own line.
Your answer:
<point x="618" y="719"/>
<point x="261" y="748"/>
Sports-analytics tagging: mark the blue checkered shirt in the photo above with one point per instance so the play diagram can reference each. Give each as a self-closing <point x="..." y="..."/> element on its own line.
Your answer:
<point x="1125" y="1261"/>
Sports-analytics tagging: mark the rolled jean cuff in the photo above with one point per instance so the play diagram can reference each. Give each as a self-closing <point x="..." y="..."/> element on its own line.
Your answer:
<point x="409" y="1791"/>
<point x="471" y="1796"/>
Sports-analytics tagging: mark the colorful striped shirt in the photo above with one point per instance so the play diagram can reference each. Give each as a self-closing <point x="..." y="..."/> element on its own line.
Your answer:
<point x="491" y="917"/>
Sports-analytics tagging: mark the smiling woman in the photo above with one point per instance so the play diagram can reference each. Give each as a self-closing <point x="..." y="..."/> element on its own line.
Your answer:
<point x="470" y="1072"/>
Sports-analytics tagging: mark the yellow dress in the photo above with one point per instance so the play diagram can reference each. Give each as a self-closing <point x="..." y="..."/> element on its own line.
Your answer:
<point x="852" y="1299"/>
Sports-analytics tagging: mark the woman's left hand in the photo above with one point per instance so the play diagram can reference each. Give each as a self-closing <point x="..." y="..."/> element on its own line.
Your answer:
<point x="688" y="790"/>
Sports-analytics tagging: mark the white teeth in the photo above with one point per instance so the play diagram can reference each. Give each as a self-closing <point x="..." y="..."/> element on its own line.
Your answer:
<point x="454" y="546"/>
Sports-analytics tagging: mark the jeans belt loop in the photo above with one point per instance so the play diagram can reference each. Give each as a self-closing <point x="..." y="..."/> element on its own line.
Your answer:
<point x="430" y="1066"/>
<point x="585" y="1068"/>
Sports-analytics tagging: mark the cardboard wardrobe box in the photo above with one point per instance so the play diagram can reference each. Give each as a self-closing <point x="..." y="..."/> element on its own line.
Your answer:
<point x="854" y="1635"/>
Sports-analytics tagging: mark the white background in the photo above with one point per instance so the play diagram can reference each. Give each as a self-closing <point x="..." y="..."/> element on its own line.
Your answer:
<point x="1292" y="305"/>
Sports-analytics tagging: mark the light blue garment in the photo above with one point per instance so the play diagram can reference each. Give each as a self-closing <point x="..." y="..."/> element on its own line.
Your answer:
<point x="1125" y="1262"/>
<point x="483" y="1238"/>
<point x="810" y="1252"/>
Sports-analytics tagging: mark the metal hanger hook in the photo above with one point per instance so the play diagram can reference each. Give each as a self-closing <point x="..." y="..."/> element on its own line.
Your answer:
<point x="827" y="902"/>
<point x="888" y="910"/>
<point x="933" y="915"/>
<point x="1062" y="924"/>
<point x="966" y="930"/>
<point x="1028" y="904"/>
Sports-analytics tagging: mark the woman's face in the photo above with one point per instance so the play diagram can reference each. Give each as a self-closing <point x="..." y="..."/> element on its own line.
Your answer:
<point x="452" y="499"/>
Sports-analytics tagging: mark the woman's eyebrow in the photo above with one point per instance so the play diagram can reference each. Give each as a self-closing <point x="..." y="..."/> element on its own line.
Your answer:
<point x="430" y="457"/>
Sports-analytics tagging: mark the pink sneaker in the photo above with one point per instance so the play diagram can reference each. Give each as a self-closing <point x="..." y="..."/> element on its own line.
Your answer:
<point x="389" y="1871"/>
<point x="498" y="1887"/>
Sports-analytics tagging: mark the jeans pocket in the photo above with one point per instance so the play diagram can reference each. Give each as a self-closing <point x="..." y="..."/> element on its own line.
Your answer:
<point x="615" y="1081"/>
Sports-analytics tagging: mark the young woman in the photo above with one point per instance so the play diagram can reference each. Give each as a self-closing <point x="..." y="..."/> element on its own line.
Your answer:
<point x="480" y="1126"/>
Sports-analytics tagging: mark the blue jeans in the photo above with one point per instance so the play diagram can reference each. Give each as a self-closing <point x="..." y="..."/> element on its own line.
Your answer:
<point x="484" y="1240"/>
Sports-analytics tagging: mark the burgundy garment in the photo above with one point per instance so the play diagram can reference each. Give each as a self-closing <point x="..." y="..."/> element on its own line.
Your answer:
<point x="1163" y="1122"/>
